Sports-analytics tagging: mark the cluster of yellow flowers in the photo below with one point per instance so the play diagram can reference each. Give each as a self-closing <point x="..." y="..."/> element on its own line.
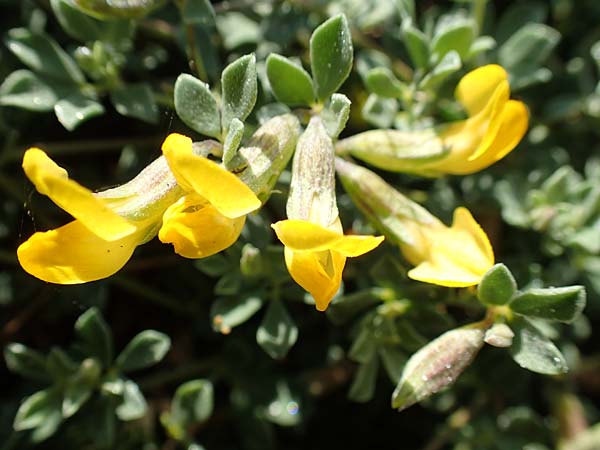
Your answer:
<point x="200" y="207"/>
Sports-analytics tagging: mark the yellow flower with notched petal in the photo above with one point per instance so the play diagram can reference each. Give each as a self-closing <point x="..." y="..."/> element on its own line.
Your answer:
<point x="199" y="207"/>
<point x="315" y="256"/>
<point x="455" y="256"/>
<point x="493" y="129"/>
<point x="210" y="217"/>
<point x="95" y="245"/>
<point x="315" y="246"/>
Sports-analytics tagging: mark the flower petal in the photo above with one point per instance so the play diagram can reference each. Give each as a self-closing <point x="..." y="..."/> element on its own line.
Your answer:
<point x="458" y="256"/>
<point x="306" y="268"/>
<point x="52" y="180"/>
<point x="226" y="192"/>
<point x="514" y="123"/>
<point x="196" y="229"/>
<point x="442" y="274"/>
<point x="353" y="245"/>
<point x="302" y="235"/>
<point x="72" y="254"/>
<point x="464" y="221"/>
<point x="476" y="88"/>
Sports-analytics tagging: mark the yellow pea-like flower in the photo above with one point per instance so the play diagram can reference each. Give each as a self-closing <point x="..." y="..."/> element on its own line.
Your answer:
<point x="211" y="216"/>
<point x="454" y="256"/>
<point x="315" y="255"/>
<point x="315" y="245"/>
<point x="493" y="129"/>
<point x="93" y="246"/>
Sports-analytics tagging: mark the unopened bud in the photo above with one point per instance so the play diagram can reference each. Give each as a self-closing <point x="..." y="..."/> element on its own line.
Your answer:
<point x="399" y="218"/>
<point x="312" y="189"/>
<point x="261" y="161"/>
<point x="395" y="150"/>
<point x="438" y="364"/>
<point x="251" y="263"/>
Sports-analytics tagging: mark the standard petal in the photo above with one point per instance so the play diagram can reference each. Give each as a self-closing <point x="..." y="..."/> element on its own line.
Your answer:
<point x="515" y="120"/>
<point x="352" y="246"/>
<point x="52" y="180"/>
<point x="476" y="88"/>
<point x="302" y="235"/>
<point x="72" y="254"/>
<point x="458" y="256"/>
<point x="226" y="192"/>
<point x="306" y="268"/>
<point x="196" y="229"/>
<point x="463" y="221"/>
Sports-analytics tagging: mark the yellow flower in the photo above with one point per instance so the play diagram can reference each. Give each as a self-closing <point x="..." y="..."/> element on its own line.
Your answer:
<point x="457" y="256"/>
<point x="493" y="129"/>
<point x="453" y="256"/>
<point x="200" y="205"/>
<point x="210" y="217"/>
<point x="315" y="255"/>
<point x="315" y="246"/>
<point x="95" y="245"/>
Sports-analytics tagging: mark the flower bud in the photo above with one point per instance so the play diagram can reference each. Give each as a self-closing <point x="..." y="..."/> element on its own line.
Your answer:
<point x="312" y="190"/>
<point x="261" y="161"/>
<point x="437" y="365"/>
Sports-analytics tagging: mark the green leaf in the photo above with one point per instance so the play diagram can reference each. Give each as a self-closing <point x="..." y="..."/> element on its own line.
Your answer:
<point x="198" y="12"/>
<point x="96" y="337"/>
<point x="497" y="286"/>
<point x="193" y="402"/>
<point x="239" y="90"/>
<point x="75" y="396"/>
<point x="530" y="46"/>
<point x="145" y="349"/>
<point x="284" y="409"/>
<point x="135" y="100"/>
<point x="417" y="45"/>
<point x="37" y="409"/>
<point x="277" y="332"/>
<point x="437" y="365"/>
<point x="25" y="361"/>
<point x="363" y="386"/>
<point x="229" y="312"/>
<point x="331" y="55"/>
<point x="343" y="308"/>
<point x="75" y="23"/>
<point x="383" y="82"/>
<point x="394" y="360"/>
<point x="117" y="9"/>
<point x="480" y="45"/>
<point x="41" y="53"/>
<point x="446" y="67"/>
<point x="519" y="14"/>
<point x="196" y="106"/>
<point x="232" y="141"/>
<point x="336" y="114"/>
<point x="229" y="284"/>
<point x="59" y="364"/>
<point x="75" y="109"/>
<point x="534" y="351"/>
<point x="364" y="347"/>
<point x="24" y="89"/>
<point x="133" y="405"/>
<point x="236" y="30"/>
<point x="291" y="84"/>
<point x="454" y="35"/>
<point x="563" y="304"/>
<point x="215" y="265"/>
<point x="380" y="112"/>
